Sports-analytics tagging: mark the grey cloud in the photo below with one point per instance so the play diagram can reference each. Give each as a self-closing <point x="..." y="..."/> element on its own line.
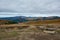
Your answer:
<point x="30" y="6"/>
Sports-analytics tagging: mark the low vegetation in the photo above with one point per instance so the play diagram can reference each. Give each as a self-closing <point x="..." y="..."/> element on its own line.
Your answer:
<point x="29" y="30"/>
<point x="7" y="22"/>
<point x="5" y="35"/>
<point x="57" y="21"/>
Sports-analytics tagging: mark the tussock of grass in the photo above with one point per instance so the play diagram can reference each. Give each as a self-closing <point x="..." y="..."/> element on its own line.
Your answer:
<point x="8" y="34"/>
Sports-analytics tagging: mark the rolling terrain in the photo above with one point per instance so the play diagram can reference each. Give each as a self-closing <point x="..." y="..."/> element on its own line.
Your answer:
<point x="55" y="21"/>
<point x="30" y="28"/>
<point x="26" y="19"/>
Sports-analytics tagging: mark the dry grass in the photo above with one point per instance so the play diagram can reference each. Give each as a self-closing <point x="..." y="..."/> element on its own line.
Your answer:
<point x="7" y="35"/>
<point x="57" y="21"/>
<point x="30" y="33"/>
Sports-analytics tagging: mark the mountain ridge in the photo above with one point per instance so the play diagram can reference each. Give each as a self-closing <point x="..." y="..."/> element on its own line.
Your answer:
<point x="25" y="19"/>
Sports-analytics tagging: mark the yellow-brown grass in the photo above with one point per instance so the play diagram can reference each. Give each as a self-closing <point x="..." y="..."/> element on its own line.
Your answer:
<point x="56" y="21"/>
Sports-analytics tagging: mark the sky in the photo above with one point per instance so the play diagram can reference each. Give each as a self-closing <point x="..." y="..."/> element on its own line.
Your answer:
<point x="10" y="8"/>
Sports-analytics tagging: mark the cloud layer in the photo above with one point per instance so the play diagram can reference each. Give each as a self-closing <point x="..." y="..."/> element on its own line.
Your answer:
<point x="34" y="7"/>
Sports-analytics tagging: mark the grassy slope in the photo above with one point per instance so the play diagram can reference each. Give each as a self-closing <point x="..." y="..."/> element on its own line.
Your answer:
<point x="56" y="21"/>
<point x="7" y="22"/>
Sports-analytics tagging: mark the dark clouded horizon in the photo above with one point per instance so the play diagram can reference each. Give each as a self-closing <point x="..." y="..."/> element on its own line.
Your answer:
<point x="29" y="8"/>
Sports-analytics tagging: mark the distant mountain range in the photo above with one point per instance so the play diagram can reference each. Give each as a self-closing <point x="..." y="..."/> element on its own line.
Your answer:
<point x="17" y="18"/>
<point x="25" y="19"/>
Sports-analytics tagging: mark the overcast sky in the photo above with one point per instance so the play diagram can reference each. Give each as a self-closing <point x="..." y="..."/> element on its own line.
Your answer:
<point x="29" y="8"/>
